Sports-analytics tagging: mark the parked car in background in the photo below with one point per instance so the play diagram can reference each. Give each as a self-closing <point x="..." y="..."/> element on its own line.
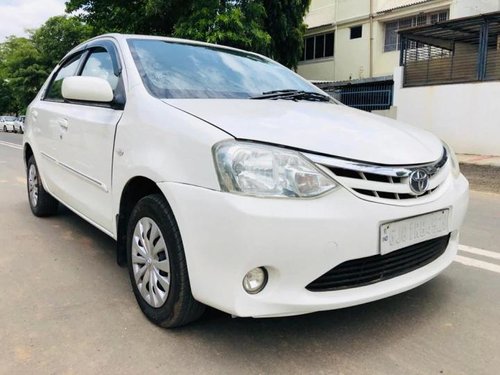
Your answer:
<point x="19" y="124"/>
<point x="7" y="123"/>
<point x="245" y="188"/>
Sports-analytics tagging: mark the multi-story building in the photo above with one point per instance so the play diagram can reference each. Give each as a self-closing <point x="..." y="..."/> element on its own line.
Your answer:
<point x="352" y="40"/>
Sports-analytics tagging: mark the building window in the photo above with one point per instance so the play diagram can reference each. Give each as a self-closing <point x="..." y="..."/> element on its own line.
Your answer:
<point x="318" y="46"/>
<point x="391" y="42"/>
<point x="356" y="32"/>
<point x="309" y="49"/>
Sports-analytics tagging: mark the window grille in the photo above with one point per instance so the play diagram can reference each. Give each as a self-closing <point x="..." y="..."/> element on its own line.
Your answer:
<point x="391" y="28"/>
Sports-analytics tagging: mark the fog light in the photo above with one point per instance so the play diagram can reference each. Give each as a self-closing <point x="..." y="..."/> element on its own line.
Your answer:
<point x="255" y="280"/>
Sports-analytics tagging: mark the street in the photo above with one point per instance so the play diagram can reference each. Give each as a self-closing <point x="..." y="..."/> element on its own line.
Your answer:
<point x="66" y="307"/>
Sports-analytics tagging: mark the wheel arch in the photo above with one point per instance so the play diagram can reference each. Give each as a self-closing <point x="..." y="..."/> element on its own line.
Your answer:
<point x="136" y="188"/>
<point x="27" y="153"/>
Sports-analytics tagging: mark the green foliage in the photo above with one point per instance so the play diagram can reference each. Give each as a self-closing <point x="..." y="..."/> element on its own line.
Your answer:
<point x="237" y="24"/>
<point x="284" y="22"/>
<point x="25" y="63"/>
<point x="22" y="71"/>
<point x="271" y="27"/>
<point x="58" y="36"/>
<point x="152" y="17"/>
<point x="7" y="101"/>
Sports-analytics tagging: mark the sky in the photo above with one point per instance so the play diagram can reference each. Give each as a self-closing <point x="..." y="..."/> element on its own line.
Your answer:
<point x="18" y="15"/>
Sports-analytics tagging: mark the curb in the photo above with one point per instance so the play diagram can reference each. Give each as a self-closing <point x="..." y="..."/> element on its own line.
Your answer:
<point x="479" y="160"/>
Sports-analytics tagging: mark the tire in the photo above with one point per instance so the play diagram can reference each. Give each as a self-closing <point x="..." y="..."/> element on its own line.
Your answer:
<point x="154" y="247"/>
<point x="5" y="129"/>
<point x="41" y="203"/>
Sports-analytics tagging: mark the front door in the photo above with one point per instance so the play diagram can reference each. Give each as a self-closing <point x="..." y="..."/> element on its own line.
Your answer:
<point x="45" y="115"/>
<point x="85" y="154"/>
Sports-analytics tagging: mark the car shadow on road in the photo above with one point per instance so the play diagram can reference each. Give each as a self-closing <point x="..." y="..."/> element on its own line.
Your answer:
<point x="87" y="233"/>
<point x="373" y="326"/>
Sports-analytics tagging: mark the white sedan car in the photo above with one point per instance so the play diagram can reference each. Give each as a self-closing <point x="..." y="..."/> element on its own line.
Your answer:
<point x="245" y="187"/>
<point x="7" y="123"/>
<point x="19" y="124"/>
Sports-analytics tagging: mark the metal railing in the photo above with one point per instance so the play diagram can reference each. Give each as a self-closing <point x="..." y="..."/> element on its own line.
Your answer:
<point x="366" y="96"/>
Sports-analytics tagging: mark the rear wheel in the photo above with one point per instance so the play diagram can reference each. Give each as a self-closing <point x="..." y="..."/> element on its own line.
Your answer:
<point x="157" y="265"/>
<point x="41" y="202"/>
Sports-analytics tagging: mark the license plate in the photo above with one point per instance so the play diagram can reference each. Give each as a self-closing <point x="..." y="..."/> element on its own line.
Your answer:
<point x="407" y="232"/>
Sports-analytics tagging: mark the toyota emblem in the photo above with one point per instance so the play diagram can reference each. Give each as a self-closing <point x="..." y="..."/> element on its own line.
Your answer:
<point x="419" y="181"/>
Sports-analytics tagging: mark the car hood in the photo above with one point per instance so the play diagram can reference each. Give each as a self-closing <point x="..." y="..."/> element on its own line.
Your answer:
<point x="318" y="127"/>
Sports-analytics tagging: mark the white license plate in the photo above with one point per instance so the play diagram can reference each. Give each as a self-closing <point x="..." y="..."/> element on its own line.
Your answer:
<point x="407" y="232"/>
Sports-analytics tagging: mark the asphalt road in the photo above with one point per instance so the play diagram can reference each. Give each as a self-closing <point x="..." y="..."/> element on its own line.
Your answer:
<point x="66" y="307"/>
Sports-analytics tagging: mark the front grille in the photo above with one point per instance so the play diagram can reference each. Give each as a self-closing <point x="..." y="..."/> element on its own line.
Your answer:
<point x="381" y="181"/>
<point x="369" y="270"/>
<point x="383" y="191"/>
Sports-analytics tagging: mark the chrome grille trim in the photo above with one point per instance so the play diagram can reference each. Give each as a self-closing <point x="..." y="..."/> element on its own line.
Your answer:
<point x="396" y="171"/>
<point x="382" y="182"/>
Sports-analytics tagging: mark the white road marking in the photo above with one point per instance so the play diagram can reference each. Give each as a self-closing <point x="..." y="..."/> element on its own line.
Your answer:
<point x="13" y="145"/>
<point x="474" y="250"/>
<point x="478" y="264"/>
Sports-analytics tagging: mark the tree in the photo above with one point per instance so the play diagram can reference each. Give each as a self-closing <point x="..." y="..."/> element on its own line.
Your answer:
<point x="57" y="36"/>
<point x="236" y="24"/>
<point x="7" y="101"/>
<point x="285" y="25"/>
<point x="271" y="27"/>
<point x="155" y="17"/>
<point x="22" y="70"/>
<point x="25" y="63"/>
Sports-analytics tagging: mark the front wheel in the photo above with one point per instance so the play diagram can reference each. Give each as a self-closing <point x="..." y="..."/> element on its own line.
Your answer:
<point x="41" y="202"/>
<point x="157" y="265"/>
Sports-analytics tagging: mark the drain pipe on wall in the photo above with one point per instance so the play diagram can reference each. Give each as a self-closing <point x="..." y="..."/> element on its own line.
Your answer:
<point x="371" y="39"/>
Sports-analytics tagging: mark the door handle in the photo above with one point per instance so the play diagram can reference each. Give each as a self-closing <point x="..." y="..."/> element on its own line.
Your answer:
<point x="63" y="123"/>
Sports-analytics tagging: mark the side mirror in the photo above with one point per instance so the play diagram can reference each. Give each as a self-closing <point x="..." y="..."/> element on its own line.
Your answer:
<point x="88" y="89"/>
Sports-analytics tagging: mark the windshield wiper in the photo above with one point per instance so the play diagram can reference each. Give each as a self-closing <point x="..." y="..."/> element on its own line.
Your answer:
<point x="293" y="95"/>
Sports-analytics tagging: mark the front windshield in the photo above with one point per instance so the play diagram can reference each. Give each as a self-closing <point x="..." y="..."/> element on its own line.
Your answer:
<point x="179" y="70"/>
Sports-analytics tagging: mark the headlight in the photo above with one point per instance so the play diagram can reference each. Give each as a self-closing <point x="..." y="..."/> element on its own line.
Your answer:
<point x="455" y="166"/>
<point x="267" y="171"/>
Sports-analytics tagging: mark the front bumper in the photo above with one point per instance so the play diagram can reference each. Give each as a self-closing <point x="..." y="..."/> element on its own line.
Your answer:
<point x="226" y="235"/>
